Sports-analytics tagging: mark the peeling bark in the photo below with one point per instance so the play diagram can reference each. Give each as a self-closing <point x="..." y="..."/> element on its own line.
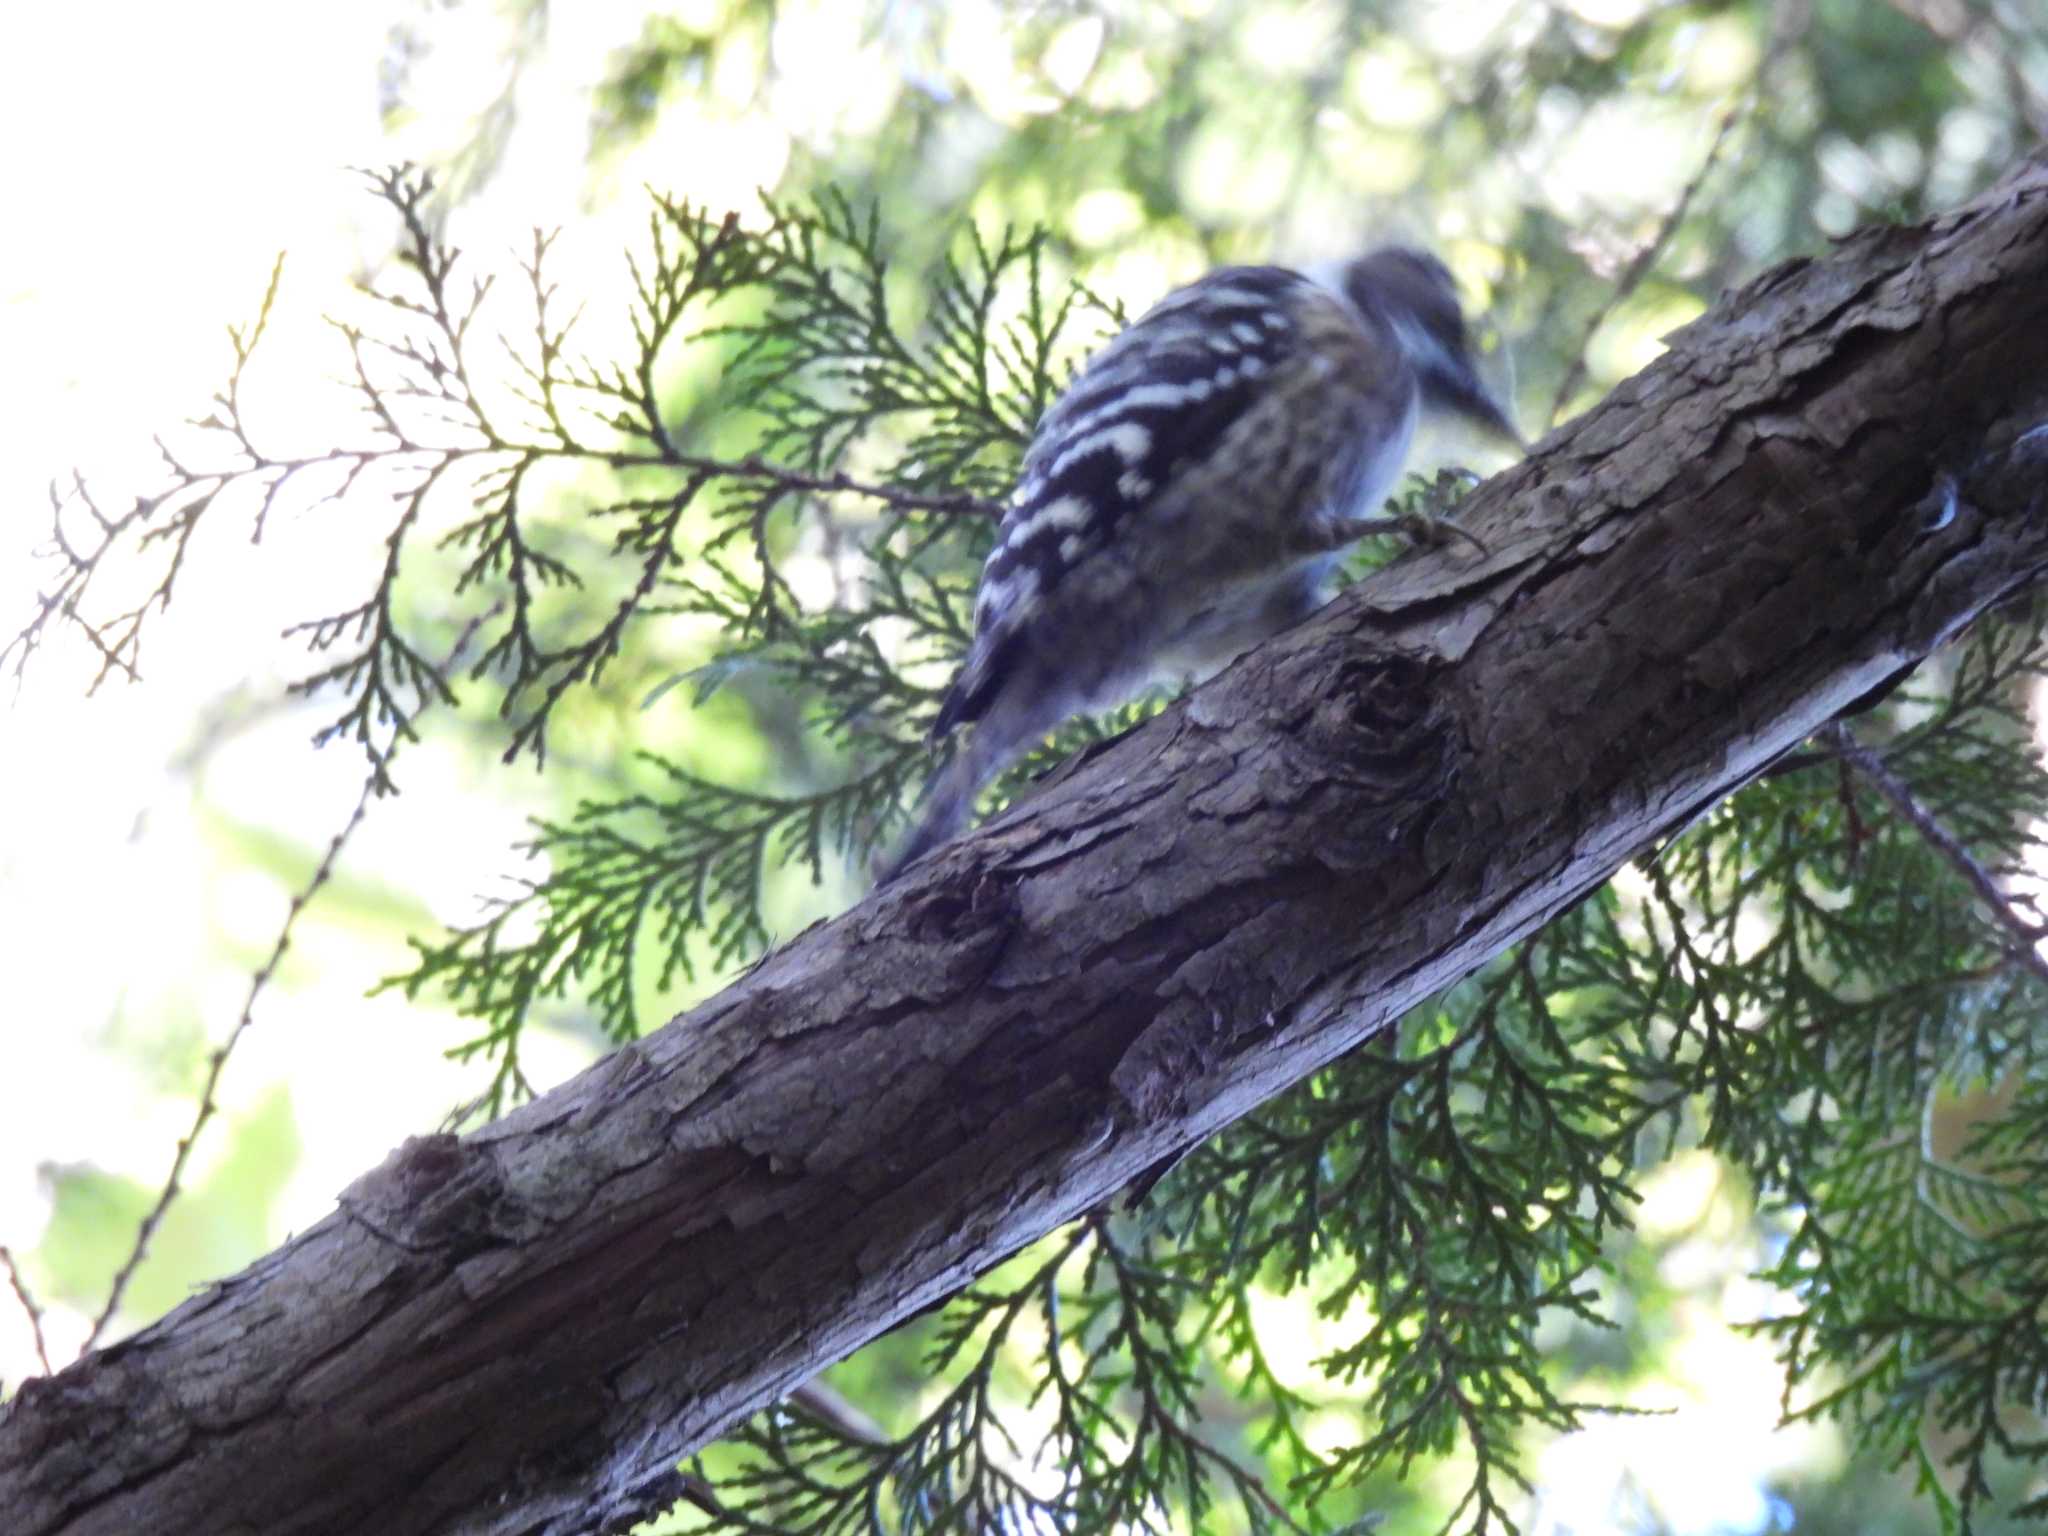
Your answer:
<point x="520" y="1331"/>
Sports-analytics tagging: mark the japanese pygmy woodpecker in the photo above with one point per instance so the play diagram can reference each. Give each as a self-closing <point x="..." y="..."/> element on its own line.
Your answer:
<point x="1190" y="493"/>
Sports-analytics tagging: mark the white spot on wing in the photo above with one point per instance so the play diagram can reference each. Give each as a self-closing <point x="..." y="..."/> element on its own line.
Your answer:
<point x="1065" y="512"/>
<point x="1060" y="512"/>
<point x="1017" y="594"/>
<point x="1148" y="397"/>
<point x="994" y="594"/>
<point x="1229" y="294"/>
<point x="1129" y="440"/>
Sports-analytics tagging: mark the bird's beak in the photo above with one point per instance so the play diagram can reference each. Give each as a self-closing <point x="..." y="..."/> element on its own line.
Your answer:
<point x="1472" y="400"/>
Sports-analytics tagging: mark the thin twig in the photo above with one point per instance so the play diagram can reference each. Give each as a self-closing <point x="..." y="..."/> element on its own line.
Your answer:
<point x="28" y="1305"/>
<point x="265" y="974"/>
<point x="1899" y="795"/>
<point x="1644" y="259"/>
<point x="218" y="1060"/>
<point x="834" y="1411"/>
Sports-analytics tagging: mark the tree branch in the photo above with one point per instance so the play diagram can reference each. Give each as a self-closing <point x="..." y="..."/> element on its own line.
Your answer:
<point x="1899" y="795"/>
<point x="523" y="1329"/>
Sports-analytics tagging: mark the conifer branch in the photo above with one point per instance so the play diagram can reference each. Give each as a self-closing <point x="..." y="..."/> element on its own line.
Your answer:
<point x="2027" y="935"/>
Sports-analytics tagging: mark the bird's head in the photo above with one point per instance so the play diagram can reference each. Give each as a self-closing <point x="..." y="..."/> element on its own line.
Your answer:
<point x="1415" y="294"/>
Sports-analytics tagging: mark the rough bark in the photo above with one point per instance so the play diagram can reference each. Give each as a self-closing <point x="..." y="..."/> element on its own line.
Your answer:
<point x="521" y="1330"/>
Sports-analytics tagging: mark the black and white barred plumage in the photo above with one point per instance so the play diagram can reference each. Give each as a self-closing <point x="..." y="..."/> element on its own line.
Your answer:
<point x="1189" y="493"/>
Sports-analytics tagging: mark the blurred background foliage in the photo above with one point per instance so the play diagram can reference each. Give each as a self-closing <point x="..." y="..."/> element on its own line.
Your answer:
<point x="1595" y="173"/>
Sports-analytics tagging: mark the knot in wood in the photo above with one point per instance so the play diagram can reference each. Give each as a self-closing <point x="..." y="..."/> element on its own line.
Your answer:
<point x="1378" y="728"/>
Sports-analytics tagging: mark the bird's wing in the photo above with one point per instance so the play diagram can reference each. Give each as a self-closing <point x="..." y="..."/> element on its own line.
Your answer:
<point x="1156" y="399"/>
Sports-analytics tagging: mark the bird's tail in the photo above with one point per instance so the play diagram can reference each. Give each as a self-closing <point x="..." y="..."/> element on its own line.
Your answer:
<point x="942" y="811"/>
<point x="1014" y="720"/>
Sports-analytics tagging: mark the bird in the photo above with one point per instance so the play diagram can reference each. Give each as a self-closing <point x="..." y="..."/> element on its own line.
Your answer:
<point x="1190" y="494"/>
